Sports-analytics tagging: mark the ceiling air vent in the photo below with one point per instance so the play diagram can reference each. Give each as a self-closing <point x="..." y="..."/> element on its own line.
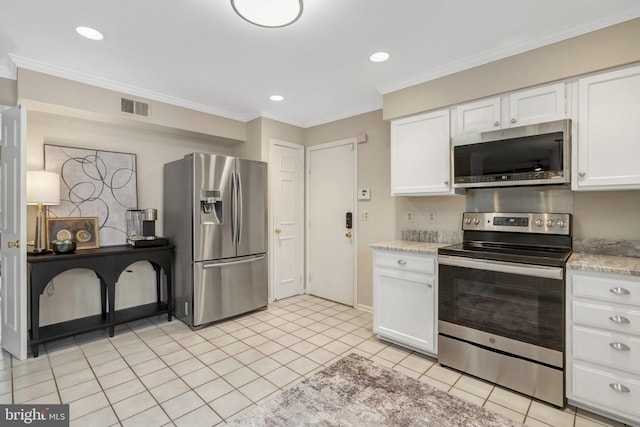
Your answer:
<point x="138" y="108"/>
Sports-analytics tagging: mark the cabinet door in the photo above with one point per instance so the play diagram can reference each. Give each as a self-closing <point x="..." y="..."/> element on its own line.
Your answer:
<point x="608" y="129"/>
<point x="478" y="116"/>
<point x="404" y="308"/>
<point x="420" y="155"/>
<point x="542" y="104"/>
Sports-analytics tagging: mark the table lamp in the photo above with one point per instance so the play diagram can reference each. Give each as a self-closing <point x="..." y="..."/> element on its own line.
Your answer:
<point x="43" y="188"/>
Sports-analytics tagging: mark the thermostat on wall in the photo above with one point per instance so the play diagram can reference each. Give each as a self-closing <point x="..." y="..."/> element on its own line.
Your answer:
<point x="364" y="194"/>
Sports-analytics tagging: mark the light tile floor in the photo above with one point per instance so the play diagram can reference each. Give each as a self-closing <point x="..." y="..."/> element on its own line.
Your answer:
<point x="157" y="373"/>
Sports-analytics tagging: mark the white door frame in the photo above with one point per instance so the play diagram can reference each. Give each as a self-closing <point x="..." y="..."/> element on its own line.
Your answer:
<point x="14" y="229"/>
<point x="354" y="142"/>
<point x="272" y="143"/>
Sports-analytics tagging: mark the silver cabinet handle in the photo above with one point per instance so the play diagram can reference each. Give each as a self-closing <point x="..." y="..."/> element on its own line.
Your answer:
<point x="402" y="262"/>
<point x="620" y="388"/>
<point x="619" y="319"/>
<point x="619" y="346"/>
<point x="619" y="291"/>
<point x="513" y="120"/>
<point x="496" y="123"/>
<point x="446" y="183"/>
<point x="582" y="174"/>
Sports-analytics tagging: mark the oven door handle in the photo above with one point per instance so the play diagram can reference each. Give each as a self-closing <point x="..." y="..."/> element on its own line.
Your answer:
<point x="503" y="267"/>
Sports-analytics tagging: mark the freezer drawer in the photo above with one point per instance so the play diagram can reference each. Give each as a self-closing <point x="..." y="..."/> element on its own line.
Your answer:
<point x="227" y="288"/>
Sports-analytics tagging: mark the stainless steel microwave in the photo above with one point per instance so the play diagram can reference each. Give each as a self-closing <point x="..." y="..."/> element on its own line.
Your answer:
<point x="526" y="155"/>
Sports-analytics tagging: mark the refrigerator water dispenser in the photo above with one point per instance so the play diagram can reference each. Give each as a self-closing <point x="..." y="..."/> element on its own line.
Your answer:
<point x="210" y="207"/>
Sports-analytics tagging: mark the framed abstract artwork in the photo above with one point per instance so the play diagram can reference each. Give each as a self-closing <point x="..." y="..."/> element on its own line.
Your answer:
<point x="95" y="183"/>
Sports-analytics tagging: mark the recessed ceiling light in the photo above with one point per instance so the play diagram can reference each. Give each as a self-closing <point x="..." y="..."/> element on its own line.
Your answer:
<point x="276" y="98"/>
<point x="89" y="33"/>
<point x="379" y="57"/>
<point x="268" y="13"/>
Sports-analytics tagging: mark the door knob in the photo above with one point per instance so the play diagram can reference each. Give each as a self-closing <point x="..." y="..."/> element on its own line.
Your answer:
<point x="15" y="244"/>
<point x="348" y="234"/>
<point x="278" y="231"/>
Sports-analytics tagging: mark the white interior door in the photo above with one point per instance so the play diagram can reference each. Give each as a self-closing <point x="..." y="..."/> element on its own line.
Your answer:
<point x="287" y="213"/>
<point x="331" y="184"/>
<point x="14" y="232"/>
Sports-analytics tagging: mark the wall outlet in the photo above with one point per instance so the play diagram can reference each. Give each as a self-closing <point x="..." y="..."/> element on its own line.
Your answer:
<point x="364" y="215"/>
<point x="409" y="216"/>
<point x="431" y="217"/>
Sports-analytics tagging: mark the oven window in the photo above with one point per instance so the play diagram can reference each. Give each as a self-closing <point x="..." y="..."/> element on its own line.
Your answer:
<point x="524" y="308"/>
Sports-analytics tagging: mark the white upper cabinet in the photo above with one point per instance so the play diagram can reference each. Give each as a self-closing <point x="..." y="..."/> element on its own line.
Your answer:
<point x="537" y="105"/>
<point x="478" y="116"/>
<point x="421" y="155"/>
<point x="608" y="129"/>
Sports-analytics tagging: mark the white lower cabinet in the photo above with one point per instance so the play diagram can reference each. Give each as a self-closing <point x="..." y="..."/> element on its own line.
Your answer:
<point x="603" y="344"/>
<point x="405" y="299"/>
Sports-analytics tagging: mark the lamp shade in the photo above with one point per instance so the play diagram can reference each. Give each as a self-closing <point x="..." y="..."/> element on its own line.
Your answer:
<point x="43" y="187"/>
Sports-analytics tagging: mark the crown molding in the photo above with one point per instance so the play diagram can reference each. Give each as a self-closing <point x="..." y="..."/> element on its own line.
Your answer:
<point x="325" y="119"/>
<point x="66" y="73"/>
<point x="8" y="69"/>
<point x="492" y="55"/>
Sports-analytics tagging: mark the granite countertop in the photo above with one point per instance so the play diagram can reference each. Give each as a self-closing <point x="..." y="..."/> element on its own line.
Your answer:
<point x="428" y="248"/>
<point x="625" y="265"/>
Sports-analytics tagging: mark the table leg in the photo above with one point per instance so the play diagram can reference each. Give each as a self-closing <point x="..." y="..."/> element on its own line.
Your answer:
<point x="158" y="270"/>
<point x="103" y="298"/>
<point x="35" y="314"/>
<point x="111" y="289"/>
<point x="169" y="295"/>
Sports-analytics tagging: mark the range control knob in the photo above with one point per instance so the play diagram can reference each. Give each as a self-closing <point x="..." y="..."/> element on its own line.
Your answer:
<point x="467" y="220"/>
<point x="561" y="223"/>
<point x="539" y="222"/>
<point x="476" y="221"/>
<point x="550" y="223"/>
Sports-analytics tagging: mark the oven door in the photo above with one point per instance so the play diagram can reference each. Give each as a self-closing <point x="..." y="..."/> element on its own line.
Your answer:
<point x="481" y="300"/>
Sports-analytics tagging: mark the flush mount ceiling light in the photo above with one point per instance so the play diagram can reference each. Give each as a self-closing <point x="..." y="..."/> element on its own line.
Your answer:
<point x="276" y="98"/>
<point x="268" y="13"/>
<point x="379" y="57"/>
<point x="89" y="33"/>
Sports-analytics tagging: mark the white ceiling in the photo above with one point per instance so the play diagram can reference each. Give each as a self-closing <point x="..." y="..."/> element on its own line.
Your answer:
<point x="199" y="54"/>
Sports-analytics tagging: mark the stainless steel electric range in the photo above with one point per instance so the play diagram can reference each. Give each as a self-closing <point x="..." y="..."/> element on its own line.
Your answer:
<point x="501" y="301"/>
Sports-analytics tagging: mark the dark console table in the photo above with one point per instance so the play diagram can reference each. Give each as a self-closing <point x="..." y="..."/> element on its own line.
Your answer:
<point x="108" y="263"/>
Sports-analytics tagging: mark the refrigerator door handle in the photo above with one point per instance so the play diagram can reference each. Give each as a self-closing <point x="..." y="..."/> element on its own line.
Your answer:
<point x="228" y="263"/>
<point x="234" y="210"/>
<point x="240" y="209"/>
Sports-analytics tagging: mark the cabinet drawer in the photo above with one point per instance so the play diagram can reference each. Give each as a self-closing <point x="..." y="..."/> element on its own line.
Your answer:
<point x="599" y="387"/>
<point x="614" y="350"/>
<point x="406" y="262"/>
<point x="612" y="318"/>
<point x="606" y="288"/>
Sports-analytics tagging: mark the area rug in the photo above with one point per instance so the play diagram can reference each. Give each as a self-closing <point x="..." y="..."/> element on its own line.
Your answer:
<point x="357" y="392"/>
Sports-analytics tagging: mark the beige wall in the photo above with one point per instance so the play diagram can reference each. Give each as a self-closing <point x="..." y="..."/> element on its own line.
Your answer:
<point x="610" y="47"/>
<point x="53" y="94"/>
<point x="259" y="133"/>
<point x="8" y="92"/>
<point x="610" y="215"/>
<point x="153" y="149"/>
<point x="448" y="210"/>
<point x="373" y="172"/>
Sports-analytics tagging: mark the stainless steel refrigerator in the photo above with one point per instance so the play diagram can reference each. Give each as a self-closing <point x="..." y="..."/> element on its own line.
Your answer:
<point x="215" y="213"/>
